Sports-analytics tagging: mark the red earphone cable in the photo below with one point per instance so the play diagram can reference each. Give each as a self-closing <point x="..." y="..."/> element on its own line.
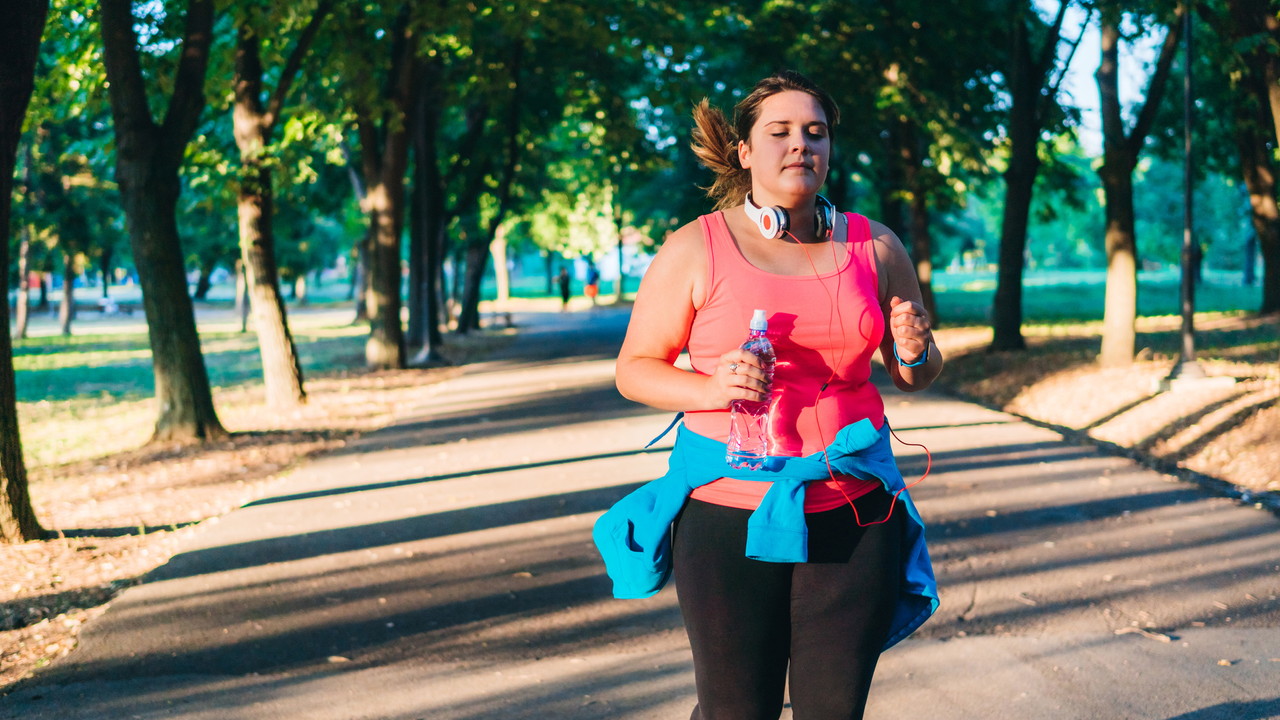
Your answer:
<point x="834" y="306"/>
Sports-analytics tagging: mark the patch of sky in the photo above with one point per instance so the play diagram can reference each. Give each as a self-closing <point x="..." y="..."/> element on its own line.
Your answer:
<point x="1079" y="88"/>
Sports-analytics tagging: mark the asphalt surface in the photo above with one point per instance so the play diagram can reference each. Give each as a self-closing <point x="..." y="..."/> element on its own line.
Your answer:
<point x="443" y="568"/>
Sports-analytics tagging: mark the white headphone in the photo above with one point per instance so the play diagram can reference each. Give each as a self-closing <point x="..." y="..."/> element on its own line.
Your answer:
<point x="774" y="221"/>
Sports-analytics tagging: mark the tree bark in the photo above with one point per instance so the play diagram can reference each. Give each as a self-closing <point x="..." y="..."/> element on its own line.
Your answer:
<point x="242" y="296"/>
<point x="415" y="330"/>
<point x="67" y="310"/>
<point x="254" y="124"/>
<point x="360" y="283"/>
<point x="24" y="283"/>
<point x="498" y="248"/>
<point x="148" y="157"/>
<point x="1253" y="126"/>
<point x="42" y="305"/>
<point x="478" y="248"/>
<point x="1120" y="156"/>
<point x="384" y="168"/>
<point x="24" y="253"/>
<point x="1026" y="78"/>
<point x="21" y="25"/>
<point x="204" y="282"/>
<point x="918" y="223"/>
<point x="105" y="269"/>
<point x="429" y="198"/>
<point x="477" y="260"/>
<point x="1257" y="122"/>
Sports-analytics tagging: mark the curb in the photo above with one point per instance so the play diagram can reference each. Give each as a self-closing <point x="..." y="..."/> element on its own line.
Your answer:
<point x="1263" y="500"/>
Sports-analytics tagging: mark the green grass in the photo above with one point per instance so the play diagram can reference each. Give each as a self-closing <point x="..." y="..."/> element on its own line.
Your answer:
<point x="119" y="365"/>
<point x="966" y="300"/>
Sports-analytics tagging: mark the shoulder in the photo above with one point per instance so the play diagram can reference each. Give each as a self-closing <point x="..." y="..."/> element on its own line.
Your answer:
<point x="686" y="245"/>
<point x="884" y="238"/>
<point x="680" y="267"/>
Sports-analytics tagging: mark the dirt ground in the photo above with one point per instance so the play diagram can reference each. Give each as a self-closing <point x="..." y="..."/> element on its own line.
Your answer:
<point x="1230" y="433"/>
<point x="114" y="518"/>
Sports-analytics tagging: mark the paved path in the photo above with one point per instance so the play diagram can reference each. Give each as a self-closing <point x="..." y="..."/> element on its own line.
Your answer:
<point x="443" y="569"/>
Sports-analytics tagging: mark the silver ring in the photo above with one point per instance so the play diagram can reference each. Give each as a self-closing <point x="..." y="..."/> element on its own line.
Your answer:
<point x="733" y="368"/>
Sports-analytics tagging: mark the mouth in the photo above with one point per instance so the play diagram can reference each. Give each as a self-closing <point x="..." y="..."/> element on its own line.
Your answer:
<point x="801" y="166"/>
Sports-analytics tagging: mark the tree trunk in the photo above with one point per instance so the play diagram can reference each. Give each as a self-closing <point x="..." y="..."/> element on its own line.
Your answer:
<point x="1120" y="156"/>
<point x="1116" y="173"/>
<point x="1024" y="125"/>
<point x="281" y="368"/>
<point x="21" y="24"/>
<point x="253" y="126"/>
<point x="1253" y="127"/>
<point x="67" y="310"/>
<point x="105" y="269"/>
<point x="42" y="305"/>
<point x="242" y="296"/>
<point x="622" y="259"/>
<point x="415" y="330"/>
<point x="148" y="157"/>
<point x="498" y="248"/>
<point x="24" y="283"/>
<point x="478" y="248"/>
<point x="361" y="280"/>
<point x="1121" y="305"/>
<point x="385" y="165"/>
<point x="477" y="259"/>
<point x="385" y="346"/>
<point x="918" y="207"/>
<point x="204" y="282"/>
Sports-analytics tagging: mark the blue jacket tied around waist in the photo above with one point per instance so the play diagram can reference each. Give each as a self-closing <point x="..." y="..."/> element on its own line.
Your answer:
<point x="634" y="536"/>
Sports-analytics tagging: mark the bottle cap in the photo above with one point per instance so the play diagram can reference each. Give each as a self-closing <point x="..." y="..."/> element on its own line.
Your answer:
<point x="758" y="321"/>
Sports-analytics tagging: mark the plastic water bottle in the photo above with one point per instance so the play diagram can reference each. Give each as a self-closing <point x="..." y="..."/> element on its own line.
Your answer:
<point x="749" y="419"/>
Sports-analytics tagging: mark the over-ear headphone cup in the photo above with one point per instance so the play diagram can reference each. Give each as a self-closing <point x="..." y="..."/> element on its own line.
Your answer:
<point x="773" y="222"/>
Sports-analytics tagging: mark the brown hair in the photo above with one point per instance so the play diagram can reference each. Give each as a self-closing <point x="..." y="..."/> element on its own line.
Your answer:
<point x="715" y="142"/>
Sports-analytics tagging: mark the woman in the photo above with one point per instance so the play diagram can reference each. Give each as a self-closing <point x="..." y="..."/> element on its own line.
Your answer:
<point x="831" y="301"/>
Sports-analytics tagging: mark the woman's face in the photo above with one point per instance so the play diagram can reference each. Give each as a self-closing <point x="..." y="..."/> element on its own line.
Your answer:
<point x="789" y="149"/>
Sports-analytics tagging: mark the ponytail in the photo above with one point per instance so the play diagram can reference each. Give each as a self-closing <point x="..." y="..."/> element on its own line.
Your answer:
<point x="716" y="145"/>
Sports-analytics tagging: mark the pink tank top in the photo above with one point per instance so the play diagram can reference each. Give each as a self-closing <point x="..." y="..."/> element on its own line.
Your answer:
<point x="808" y="333"/>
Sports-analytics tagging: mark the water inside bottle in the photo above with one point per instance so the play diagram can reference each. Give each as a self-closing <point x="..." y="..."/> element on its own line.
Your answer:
<point x="748" y="444"/>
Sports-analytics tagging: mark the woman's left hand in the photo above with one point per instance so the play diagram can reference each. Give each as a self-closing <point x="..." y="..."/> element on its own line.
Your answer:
<point x="909" y="324"/>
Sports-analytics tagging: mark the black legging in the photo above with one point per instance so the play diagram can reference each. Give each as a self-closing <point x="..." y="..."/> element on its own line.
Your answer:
<point x="746" y="618"/>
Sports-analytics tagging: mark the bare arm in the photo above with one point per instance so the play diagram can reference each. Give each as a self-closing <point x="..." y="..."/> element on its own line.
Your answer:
<point x="906" y="322"/>
<point x="671" y="291"/>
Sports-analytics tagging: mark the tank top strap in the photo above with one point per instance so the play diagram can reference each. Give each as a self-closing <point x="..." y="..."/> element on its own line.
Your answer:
<point x="718" y="241"/>
<point x="863" y="247"/>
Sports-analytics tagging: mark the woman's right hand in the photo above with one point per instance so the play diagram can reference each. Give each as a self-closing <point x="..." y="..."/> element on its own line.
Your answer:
<point x="738" y="376"/>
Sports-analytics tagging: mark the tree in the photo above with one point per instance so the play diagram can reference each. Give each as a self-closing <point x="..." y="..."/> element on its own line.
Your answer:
<point x="1253" y="30"/>
<point x="1034" y="94"/>
<point x="381" y="78"/>
<point x="67" y="209"/>
<point x="1120" y="157"/>
<point x="21" y="24"/>
<point x="254" y="125"/>
<point x="148" y="158"/>
<point x="1257" y="28"/>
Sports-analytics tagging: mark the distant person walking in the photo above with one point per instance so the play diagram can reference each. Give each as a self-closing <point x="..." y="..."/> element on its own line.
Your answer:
<point x="593" y="284"/>
<point x="564" y="288"/>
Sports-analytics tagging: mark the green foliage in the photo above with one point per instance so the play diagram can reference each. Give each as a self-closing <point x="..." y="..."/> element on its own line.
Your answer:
<point x="63" y="193"/>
